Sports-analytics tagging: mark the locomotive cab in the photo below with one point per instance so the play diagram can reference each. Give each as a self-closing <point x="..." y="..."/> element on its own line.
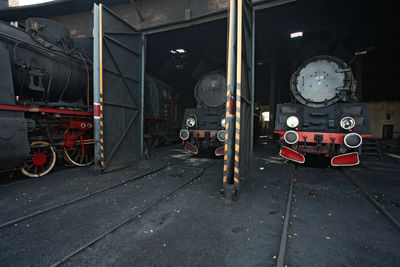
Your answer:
<point x="326" y="119"/>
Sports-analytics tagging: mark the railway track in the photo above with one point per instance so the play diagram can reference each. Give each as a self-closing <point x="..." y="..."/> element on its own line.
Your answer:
<point x="173" y="170"/>
<point x="387" y="214"/>
<point x="72" y="201"/>
<point x="129" y="220"/>
<point x="80" y="198"/>
<point x="284" y="236"/>
<point x="287" y="218"/>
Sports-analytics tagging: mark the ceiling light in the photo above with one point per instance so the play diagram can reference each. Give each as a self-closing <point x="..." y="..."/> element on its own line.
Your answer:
<point x="364" y="52"/>
<point x="296" y="34"/>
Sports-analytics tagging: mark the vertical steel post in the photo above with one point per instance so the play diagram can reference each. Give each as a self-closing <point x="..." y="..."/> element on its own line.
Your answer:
<point x="272" y="101"/>
<point x="143" y="68"/>
<point x="239" y="109"/>
<point x="252" y="64"/>
<point x="230" y="102"/>
<point x="96" y="84"/>
<point x="358" y="74"/>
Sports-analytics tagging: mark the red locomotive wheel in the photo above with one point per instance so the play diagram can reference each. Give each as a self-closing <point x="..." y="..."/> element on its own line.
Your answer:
<point x="80" y="150"/>
<point x="41" y="160"/>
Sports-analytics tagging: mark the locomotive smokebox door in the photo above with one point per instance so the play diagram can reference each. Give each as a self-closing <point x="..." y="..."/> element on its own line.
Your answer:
<point x="118" y="90"/>
<point x="322" y="81"/>
<point x="208" y="90"/>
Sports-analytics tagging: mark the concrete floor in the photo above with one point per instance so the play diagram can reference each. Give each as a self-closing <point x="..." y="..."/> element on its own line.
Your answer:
<point x="332" y="224"/>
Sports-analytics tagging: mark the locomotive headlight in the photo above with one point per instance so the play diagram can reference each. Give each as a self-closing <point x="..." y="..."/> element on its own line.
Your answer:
<point x="292" y="121"/>
<point x="223" y="122"/>
<point x="190" y="122"/>
<point x="347" y="123"/>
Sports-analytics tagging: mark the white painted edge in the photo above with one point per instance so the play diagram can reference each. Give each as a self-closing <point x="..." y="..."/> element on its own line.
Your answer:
<point x="345" y="165"/>
<point x="284" y="138"/>
<point x="344" y="141"/>
<point x="280" y="154"/>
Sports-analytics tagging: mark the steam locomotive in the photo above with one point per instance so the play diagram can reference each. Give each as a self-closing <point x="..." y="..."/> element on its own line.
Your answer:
<point x="162" y="114"/>
<point x="46" y="107"/>
<point x="325" y="118"/>
<point x="204" y="127"/>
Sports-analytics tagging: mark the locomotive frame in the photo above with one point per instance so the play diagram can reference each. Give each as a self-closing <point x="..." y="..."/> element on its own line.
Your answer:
<point x="51" y="134"/>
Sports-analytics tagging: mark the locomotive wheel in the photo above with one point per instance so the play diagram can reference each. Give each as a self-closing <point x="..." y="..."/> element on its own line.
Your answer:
<point x="41" y="160"/>
<point x="82" y="153"/>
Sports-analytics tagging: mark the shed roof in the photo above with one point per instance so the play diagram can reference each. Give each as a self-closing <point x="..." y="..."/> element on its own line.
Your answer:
<point x="53" y="8"/>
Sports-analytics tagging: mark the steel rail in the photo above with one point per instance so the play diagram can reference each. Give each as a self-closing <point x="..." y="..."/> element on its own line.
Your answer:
<point x="129" y="220"/>
<point x="69" y="202"/>
<point x="372" y="200"/>
<point x="282" y="246"/>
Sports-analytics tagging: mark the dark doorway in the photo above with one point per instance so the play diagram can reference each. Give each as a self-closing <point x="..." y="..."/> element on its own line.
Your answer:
<point x="387" y="131"/>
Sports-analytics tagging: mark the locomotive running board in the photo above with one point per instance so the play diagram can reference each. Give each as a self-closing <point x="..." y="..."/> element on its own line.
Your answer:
<point x="189" y="147"/>
<point x="292" y="155"/>
<point x="349" y="159"/>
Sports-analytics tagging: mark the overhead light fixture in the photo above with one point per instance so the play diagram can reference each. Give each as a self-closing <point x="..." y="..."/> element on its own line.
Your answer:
<point x="296" y="34"/>
<point x="358" y="53"/>
<point x="177" y="51"/>
<point x="179" y="66"/>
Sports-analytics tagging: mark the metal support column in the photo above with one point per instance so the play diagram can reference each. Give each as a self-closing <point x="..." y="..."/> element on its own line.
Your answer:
<point x="272" y="100"/>
<point x="358" y="74"/>
<point x="240" y="95"/>
<point x="143" y="68"/>
<point x="96" y="84"/>
<point x="253" y="52"/>
<point x="230" y="102"/>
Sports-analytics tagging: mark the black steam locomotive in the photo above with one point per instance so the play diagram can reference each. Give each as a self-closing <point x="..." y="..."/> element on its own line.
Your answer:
<point x="325" y="118"/>
<point x="204" y="127"/>
<point x="162" y="114"/>
<point x="46" y="109"/>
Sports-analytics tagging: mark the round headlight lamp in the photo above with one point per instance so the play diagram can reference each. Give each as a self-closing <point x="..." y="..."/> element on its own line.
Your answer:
<point x="223" y="122"/>
<point x="292" y="122"/>
<point x="347" y="123"/>
<point x="190" y="122"/>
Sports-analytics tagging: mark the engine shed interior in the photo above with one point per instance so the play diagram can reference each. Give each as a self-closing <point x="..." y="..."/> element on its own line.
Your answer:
<point x="362" y="33"/>
<point x="200" y="132"/>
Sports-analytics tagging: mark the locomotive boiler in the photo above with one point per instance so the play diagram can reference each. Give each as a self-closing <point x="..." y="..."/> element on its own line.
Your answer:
<point x="325" y="118"/>
<point x="204" y="127"/>
<point x="45" y="86"/>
